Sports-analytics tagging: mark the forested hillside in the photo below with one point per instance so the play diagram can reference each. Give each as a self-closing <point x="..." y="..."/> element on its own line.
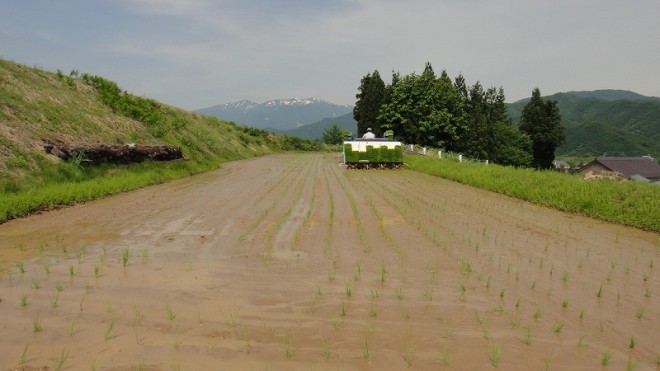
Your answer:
<point x="612" y="122"/>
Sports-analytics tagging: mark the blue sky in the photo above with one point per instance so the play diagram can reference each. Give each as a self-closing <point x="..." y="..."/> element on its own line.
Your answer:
<point x="197" y="53"/>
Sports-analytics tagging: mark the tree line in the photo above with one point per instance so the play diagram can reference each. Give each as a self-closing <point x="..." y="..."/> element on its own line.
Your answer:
<point x="434" y="111"/>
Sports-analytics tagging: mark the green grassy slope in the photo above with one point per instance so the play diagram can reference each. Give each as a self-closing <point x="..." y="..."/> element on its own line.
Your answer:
<point x="38" y="106"/>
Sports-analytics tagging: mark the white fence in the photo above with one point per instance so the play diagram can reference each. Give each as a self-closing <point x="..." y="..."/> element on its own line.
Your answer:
<point x="438" y="153"/>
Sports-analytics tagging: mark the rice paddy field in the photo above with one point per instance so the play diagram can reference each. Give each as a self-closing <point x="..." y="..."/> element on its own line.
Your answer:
<point x="291" y="262"/>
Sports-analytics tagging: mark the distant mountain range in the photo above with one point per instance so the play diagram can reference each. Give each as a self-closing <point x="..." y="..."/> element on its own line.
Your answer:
<point x="612" y="122"/>
<point x="278" y="115"/>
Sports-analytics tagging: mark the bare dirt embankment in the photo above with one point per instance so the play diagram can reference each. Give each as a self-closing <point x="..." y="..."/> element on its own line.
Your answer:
<point x="291" y="262"/>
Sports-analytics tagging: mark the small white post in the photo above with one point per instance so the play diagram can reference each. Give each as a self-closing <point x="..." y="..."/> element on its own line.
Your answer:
<point x="439" y="154"/>
<point x="412" y="148"/>
<point x="460" y="158"/>
<point x="486" y="162"/>
<point x="424" y="151"/>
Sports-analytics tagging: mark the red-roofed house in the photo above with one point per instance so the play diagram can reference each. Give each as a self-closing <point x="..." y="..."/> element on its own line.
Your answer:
<point x="635" y="167"/>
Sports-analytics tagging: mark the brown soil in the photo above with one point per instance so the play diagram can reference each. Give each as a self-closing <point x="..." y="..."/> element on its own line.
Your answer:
<point x="249" y="267"/>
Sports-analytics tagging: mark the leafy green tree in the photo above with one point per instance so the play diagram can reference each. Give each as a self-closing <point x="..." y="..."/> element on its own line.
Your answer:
<point x="512" y="146"/>
<point x="541" y="120"/>
<point x="425" y="110"/>
<point x="369" y="100"/>
<point x="333" y="135"/>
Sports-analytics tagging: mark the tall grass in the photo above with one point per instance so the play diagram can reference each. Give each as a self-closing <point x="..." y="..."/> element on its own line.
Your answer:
<point x="628" y="203"/>
<point x="69" y="186"/>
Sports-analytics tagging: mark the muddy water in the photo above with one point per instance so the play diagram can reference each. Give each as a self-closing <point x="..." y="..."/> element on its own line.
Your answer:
<point x="291" y="262"/>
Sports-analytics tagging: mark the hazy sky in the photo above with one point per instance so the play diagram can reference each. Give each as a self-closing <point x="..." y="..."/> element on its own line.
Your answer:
<point x="197" y="53"/>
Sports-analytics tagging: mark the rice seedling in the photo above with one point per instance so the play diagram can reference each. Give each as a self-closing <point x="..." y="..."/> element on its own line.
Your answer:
<point x="47" y="268"/>
<point x="485" y="333"/>
<point x="557" y="328"/>
<point x="331" y="276"/>
<point x="24" y="354"/>
<point x="349" y="289"/>
<point x="342" y="309"/>
<point x="445" y="359"/>
<point x="383" y="272"/>
<point x="54" y="301"/>
<point x="398" y="293"/>
<point x="495" y="354"/>
<point x="599" y="292"/>
<point x="144" y="255"/>
<point x="564" y="277"/>
<point x="365" y="351"/>
<point x="73" y="325"/>
<point x="36" y="285"/>
<point x="533" y="285"/>
<point x="632" y="343"/>
<point x="479" y="319"/>
<point x="582" y="343"/>
<point x="108" y="330"/>
<point x="125" y="256"/>
<point x="581" y="316"/>
<point x="408" y="354"/>
<point x="527" y="338"/>
<point x="82" y="300"/>
<point x="564" y="304"/>
<point x="647" y="293"/>
<point x="428" y="295"/>
<point x="72" y="271"/>
<point x="326" y="352"/>
<point x="59" y="287"/>
<point x="170" y="313"/>
<point x="606" y="358"/>
<point x="43" y="246"/>
<point x="338" y="325"/>
<point x="502" y="294"/>
<point x="288" y="348"/>
<point x="21" y="267"/>
<point x="23" y="302"/>
<point x="639" y="313"/>
<point x="230" y="319"/>
<point x="466" y="267"/>
<point x="374" y="294"/>
<point x="537" y="314"/>
<point x="36" y="324"/>
<point x="58" y="361"/>
<point x="462" y="289"/>
<point x="104" y="255"/>
<point x="373" y="312"/>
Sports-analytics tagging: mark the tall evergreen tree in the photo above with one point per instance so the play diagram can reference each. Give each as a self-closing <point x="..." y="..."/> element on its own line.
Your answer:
<point x="369" y="100"/>
<point x="333" y="135"/>
<point x="541" y="120"/>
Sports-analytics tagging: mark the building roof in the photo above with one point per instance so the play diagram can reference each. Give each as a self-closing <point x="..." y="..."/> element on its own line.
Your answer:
<point x="628" y="166"/>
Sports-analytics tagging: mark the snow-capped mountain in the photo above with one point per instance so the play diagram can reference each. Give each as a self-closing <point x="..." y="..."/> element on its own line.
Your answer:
<point x="279" y="114"/>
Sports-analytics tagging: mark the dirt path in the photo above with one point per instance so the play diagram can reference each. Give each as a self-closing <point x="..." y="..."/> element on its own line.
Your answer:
<point x="291" y="262"/>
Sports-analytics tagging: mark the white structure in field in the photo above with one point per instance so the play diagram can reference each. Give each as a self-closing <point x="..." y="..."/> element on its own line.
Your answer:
<point x="361" y="145"/>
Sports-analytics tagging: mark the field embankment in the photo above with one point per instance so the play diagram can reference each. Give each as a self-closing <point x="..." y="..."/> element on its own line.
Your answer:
<point x="37" y="106"/>
<point x="628" y="203"/>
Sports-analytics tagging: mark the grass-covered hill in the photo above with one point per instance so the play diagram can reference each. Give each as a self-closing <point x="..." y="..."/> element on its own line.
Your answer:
<point x="612" y="122"/>
<point x="38" y="106"/>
